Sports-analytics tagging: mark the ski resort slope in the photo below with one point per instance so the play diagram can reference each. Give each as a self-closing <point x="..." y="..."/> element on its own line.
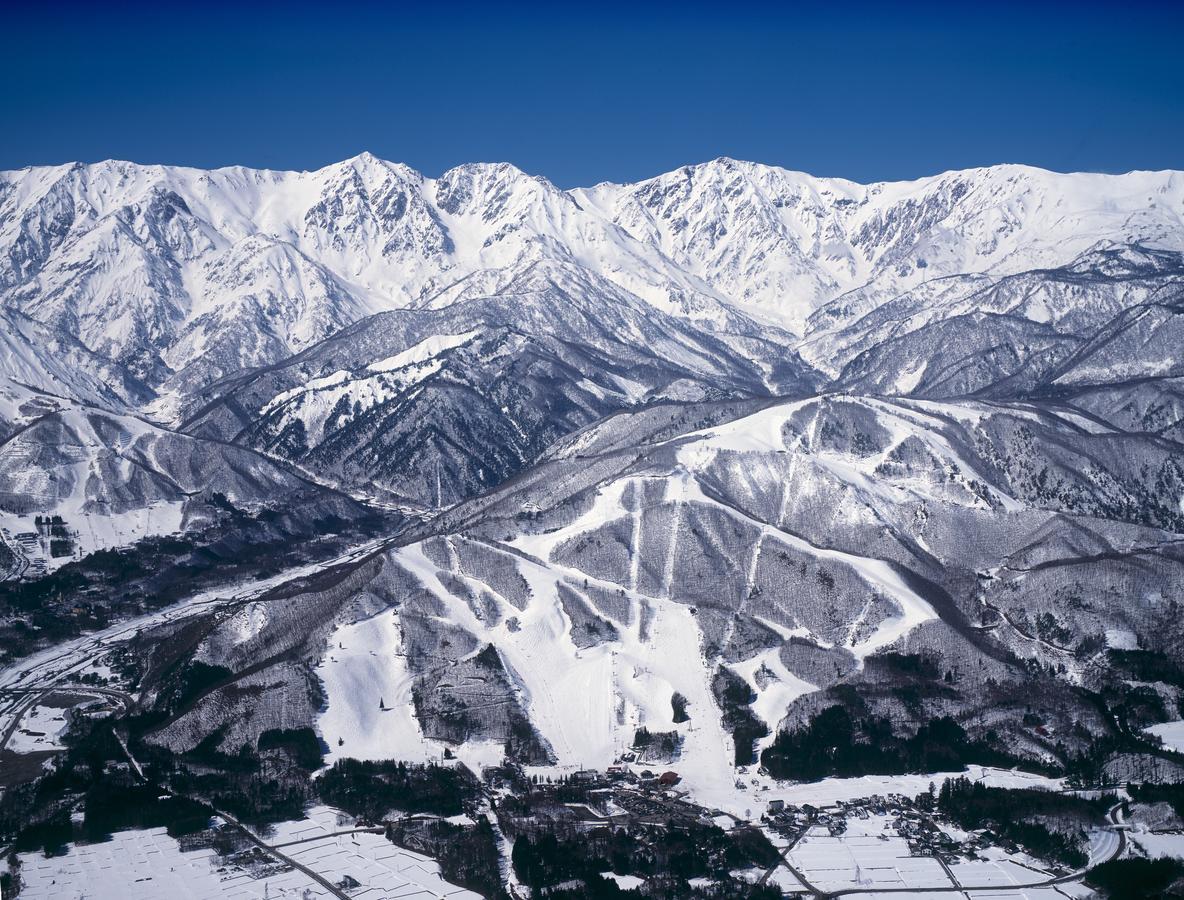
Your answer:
<point x="586" y="703"/>
<point x="594" y="648"/>
<point x="115" y="478"/>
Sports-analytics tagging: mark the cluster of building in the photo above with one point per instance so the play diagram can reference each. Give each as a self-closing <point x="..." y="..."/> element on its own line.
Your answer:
<point x="30" y="556"/>
<point x="917" y="826"/>
<point x="618" y="796"/>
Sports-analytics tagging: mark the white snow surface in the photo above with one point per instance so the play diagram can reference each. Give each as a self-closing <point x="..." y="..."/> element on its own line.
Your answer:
<point x="1171" y="733"/>
<point x="41" y="728"/>
<point x="363" y="668"/>
<point x="426" y="349"/>
<point x="231" y="268"/>
<point x="149" y="865"/>
<point x="869" y="855"/>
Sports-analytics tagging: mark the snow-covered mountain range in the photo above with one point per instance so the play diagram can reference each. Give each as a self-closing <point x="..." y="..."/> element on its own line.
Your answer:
<point x="186" y="275"/>
<point x="712" y="452"/>
<point x="189" y="293"/>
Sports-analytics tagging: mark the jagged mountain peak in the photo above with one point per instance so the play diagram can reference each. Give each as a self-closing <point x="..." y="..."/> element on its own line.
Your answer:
<point x="118" y="254"/>
<point x="369" y="168"/>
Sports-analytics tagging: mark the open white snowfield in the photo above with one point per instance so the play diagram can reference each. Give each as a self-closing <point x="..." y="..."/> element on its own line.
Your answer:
<point x="872" y="856"/>
<point x="619" y="685"/>
<point x="88" y="530"/>
<point x="1171" y="733"/>
<point x="363" y="664"/>
<point x="41" y="728"/>
<point x="833" y="790"/>
<point x="91" y="530"/>
<point x="1057" y="892"/>
<point x="1001" y="871"/>
<point x="748" y="794"/>
<point x="1155" y="845"/>
<point x="150" y="865"/>
<point x="363" y="669"/>
<point x="313" y="403"/>
<point x="323" y="842"/>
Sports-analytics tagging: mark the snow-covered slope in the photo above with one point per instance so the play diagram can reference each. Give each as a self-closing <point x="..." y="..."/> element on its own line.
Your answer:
<point x="716" y="571"/>
<point x="153" y="265"/>
<point x="429" y="337"/>
<point x="43" y="369"/>
<point x="112" y="479"/>
<point x="786" y="242"/>
<point x="693" y="460"/>
<point x="1038" y="307"/>
<point x="788" y="548"/>
<point x="187" y="275"/>
<point x="436" y="403"/>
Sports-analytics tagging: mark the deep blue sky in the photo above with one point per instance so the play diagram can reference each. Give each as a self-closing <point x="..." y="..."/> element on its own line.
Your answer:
<point x="591" y="93"/>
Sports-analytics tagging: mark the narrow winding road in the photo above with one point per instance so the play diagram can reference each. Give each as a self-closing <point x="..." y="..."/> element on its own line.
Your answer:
<point x="25" y="684"/>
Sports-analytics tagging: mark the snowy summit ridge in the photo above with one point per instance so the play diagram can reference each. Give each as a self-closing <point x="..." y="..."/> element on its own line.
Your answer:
<point x="186" y="274"/>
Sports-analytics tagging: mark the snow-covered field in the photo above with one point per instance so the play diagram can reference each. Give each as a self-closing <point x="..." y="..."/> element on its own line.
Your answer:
<point x="363" y="669"/>
<point x="41" y="728"/>
<point x="138" y="865"/>
<point x="832" y="790"/>
<point x="1059" y="892"/>
<point x="869" y="855"/>
<point x="314" y="402"/>
<point x="1171" y="733"/>
<point x="1155" y="845"/>
<point x="750" y="794"/>
<point x="383" y="869"/>
<point x="999" y="870"/>
<point x="150" y="865"/>
<point x="91" y="530"/>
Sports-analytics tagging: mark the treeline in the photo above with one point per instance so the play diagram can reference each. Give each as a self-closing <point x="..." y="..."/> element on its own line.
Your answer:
<point x="668" y="855"/>
<point x="372" y="788"/>
<point x="92" y="775"/>
<point x="834" y="743"/>
<point x="735" y="696"/>
<point x="468" y="854"/>
<point x="1019" y="815"/>
<point x="657" y="743"/>
<point x="1136" y="879"/>
<point x="258" y="788"/>
<point x="1147" y="665"/>
<point x="1172" y="794"/>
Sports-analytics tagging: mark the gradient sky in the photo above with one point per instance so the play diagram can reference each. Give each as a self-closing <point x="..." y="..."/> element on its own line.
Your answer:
<point x="588" y="93"/>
